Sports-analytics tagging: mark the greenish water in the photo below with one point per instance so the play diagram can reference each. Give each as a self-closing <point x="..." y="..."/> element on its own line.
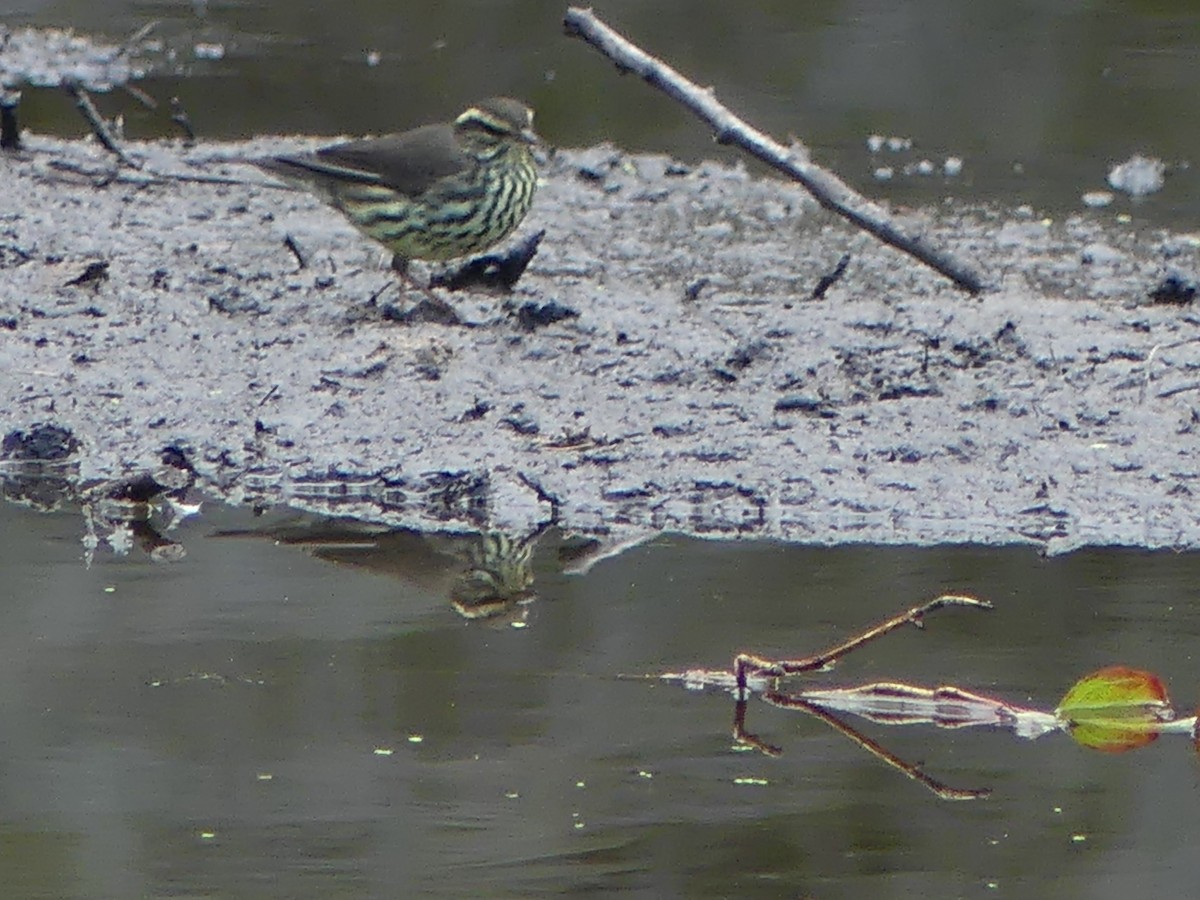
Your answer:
<point x="254" y="721"/>
<point x="1038" y="98"/>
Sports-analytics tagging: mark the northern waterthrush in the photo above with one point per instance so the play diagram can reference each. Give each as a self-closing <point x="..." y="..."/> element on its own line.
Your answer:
<point x="436" y="192"/>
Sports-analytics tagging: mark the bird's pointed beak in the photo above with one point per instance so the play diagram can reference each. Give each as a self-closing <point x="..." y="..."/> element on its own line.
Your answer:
<point x="529" y="136"/>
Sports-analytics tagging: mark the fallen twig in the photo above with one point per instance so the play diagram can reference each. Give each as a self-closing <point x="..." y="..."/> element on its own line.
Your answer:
<point x="103" y="134"/>
<point x="1180" y="389"/>
<point x="290" y="243"/>
<point x="142" y="177"/>
<point x="831" y="278"/>
<point x="10" y="132"/>
<point x="826" y="188"/>
<point x="181" y="119"/>
<point x="140" y="96"/>
<point x="746" y="664"/>
<point x="134" y="41"/>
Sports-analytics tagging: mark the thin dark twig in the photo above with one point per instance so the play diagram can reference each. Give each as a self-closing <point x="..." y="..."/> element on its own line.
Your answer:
<point x="139" y="95"/>
<point x="826" y="188"/>
<point x="746" y="663"/>
<point x="829" y="279"/>
<point x="271" y="393"/>
<point x="1181" y="389"/>
<point x="143" y="178"/>
<point x="10" y="131"/>
<point x="84" y="102"/>
<point x="371" y="301"/>
<point x="290" y="243"/>
<point x="183" y="121"/>
<point x="133" y="42"/>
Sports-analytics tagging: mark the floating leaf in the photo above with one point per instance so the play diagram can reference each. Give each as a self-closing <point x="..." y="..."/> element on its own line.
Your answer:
<point x="1115" y="690"/>
<point x="1116" y="709"/>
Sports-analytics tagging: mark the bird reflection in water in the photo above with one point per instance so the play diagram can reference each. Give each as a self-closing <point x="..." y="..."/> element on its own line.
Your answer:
<point x="499" y="575"/>
<point x="483" y="575"/>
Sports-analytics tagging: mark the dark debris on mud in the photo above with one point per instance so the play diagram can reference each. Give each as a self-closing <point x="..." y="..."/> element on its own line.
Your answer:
<point x="661" y="365"/>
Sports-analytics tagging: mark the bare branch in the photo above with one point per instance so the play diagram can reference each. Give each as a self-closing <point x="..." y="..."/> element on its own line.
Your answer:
<point x="746" y="664"/>
<point x="181" y="119"/>
<point x="134" y="41"/>
<point x="826" y="188"/>
<point x="83" y="101"/>
<point x="10" y="132"/>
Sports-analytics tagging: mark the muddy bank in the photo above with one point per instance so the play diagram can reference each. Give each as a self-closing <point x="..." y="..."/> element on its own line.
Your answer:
<point x="699" y="388"/>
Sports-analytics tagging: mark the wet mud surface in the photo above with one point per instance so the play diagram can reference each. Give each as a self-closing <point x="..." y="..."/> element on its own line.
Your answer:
<point x="661" y="365"/>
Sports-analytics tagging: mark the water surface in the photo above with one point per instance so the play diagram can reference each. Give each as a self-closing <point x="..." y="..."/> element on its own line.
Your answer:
<point x="1039" y="99"/>
<point x="253" y="721"/>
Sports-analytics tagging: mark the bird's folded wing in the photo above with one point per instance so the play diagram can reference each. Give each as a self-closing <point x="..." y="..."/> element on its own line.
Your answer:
<point x="409" y="163"/>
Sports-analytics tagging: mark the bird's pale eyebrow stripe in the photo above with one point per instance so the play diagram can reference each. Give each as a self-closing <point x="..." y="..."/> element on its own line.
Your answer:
<point x="486" y="121"/>
<point x="478" y="115"/>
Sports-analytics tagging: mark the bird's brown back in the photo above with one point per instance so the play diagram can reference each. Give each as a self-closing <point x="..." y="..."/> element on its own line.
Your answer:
<point x="409" y="163"/>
